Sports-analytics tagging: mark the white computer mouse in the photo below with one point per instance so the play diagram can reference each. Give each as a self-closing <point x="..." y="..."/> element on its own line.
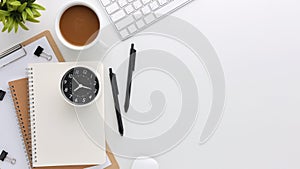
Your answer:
<point x="145" y="163"/>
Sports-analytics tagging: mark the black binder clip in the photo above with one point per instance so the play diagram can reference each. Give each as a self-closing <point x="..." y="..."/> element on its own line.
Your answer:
<point x="39" y="53"/>
<point x="2" y="94"/>
<point x="4" y="157"/>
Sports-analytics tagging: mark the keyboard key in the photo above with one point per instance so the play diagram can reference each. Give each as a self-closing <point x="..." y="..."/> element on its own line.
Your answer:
<point x="118" y="15"/>
<point x="150" y="18"/>
<point x="154" y="5"/>
<point x="124" y="33"/>
<point x="145" y="1"/>
<point x="105" y="2"/>
<point x="138" y="14"/>
<point x="122" y="2"/>
<point x="162" y="2"/>
<point x="171" y="6"/>
<point x="124" y="22"/>
<point x="137" y="4"/>
<point x="112" y="8"/>
<point x="146" y="10"/>
<point x="132" y="28"/>
<point x="140" y="23"/>
<point x="129" y="9"/>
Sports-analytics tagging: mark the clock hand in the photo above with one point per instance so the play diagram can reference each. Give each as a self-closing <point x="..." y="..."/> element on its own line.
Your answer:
<point x="78" y="88"/>
<point x="76" y="81"/>
<point x="86" y="87"/>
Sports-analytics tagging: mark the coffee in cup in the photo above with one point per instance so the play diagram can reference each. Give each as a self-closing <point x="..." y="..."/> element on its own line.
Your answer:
<point x="78" y="25"/>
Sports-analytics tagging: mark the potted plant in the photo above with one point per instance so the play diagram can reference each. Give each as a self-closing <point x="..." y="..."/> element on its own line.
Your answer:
<point x="15" y="13"/>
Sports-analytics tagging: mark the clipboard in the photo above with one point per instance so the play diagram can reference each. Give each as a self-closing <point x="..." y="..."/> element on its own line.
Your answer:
<point x="5" y="55"/>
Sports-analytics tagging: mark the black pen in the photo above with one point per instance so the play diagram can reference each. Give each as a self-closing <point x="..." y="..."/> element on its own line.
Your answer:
<point x="129" y="76"/>
<point x="115" y="91"/>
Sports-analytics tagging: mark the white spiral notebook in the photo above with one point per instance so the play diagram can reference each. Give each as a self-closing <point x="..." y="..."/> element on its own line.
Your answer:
<point x="58" y="138"/>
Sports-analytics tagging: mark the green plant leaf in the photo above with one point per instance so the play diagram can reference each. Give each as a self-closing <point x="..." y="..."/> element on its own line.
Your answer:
<point x="3" y="2"/>
<point x="3" y="29"/>
<point x="3" y="19"/>
<point x="7" y="24"/>
<point x="16" y="25"/>
<point x="10" y="8"/>
<point x="32" y="20"/>
<point x="22" y="7"/>
<point x="37" y="6"/>
<point x="14" y="3"/>
<point x="4" y="13"/>
<point x="23" y="26"/>
<point x="29" y="12"/>
<point x="36" y="13"/>
<point x="11" y="26"/>
<point x="24" y="15"/>
<point x="4" y="26"/>
<point x="30" y="1"/>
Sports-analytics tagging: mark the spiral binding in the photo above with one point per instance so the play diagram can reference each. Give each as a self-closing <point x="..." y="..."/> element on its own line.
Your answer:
<point x="29" y="127"/>
<point x="32" y="114"/>
<point x="20" y="123"/>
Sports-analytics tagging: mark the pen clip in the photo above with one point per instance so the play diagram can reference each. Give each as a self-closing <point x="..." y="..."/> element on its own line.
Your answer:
<point x="132" y="50"/>
<point x="113" y="81"/>
<point x="132" y="61"/>
<point x="132" y="57"/>
<point x="115" y="84"/>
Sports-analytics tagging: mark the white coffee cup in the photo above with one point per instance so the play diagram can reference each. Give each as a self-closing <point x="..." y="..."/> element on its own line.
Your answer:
<point x="58" y="31"/>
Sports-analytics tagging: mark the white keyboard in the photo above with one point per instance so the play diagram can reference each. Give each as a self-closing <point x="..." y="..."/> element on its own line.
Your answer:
<point x="132" y="16"/>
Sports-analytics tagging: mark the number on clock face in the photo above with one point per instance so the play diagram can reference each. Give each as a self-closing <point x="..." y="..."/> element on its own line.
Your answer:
<point x="80" y="85"/>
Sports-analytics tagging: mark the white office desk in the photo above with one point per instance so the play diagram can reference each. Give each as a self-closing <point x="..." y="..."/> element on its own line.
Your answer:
<point x="258" y="45"/>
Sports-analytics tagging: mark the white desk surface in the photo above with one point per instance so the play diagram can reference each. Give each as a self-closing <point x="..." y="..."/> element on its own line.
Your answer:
<point x="258" y="45"/>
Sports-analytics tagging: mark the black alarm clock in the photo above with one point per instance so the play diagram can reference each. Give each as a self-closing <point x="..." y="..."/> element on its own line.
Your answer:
<point x="80" y="86"/>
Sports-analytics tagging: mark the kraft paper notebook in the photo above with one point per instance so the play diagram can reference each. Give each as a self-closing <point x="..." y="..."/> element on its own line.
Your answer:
<point x="20" y="95"/>
<point x="58" y="136"/>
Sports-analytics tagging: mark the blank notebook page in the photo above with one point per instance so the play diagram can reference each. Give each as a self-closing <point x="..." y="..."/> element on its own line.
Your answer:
<point x="60" y="140"/>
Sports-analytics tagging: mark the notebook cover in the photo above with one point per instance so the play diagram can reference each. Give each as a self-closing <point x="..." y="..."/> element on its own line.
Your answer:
<point x="19" y="90"/>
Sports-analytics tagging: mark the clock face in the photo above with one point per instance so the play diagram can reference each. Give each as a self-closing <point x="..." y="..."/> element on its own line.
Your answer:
<point x="80" y="85"/>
